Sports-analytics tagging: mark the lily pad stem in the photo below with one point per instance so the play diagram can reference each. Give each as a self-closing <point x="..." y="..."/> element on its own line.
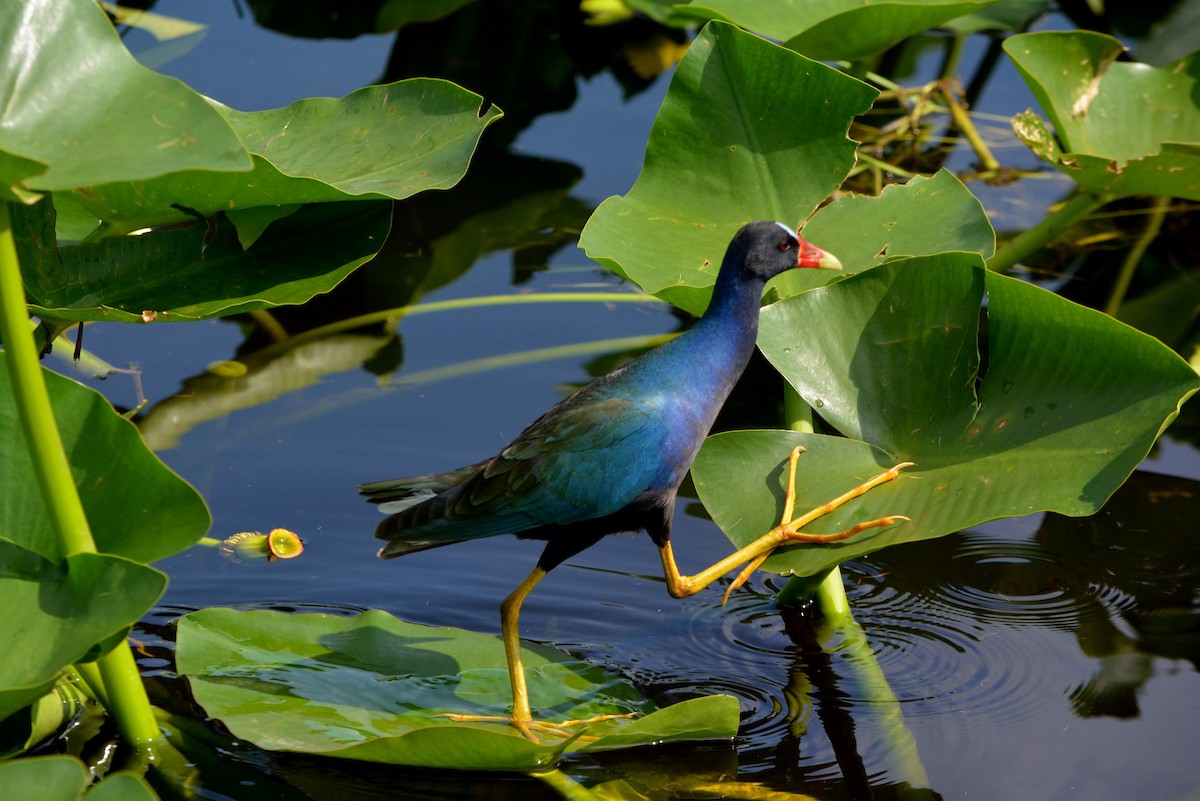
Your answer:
<point x="1032" y="240"/>
<point x="1154" y="221"/>
<point x="567" y="787"/>
<point x="800" y="589"/>
<point x="130" y="704"/>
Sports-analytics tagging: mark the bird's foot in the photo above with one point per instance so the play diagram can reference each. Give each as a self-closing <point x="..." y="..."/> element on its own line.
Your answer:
<point x="527" y="728"/>
<point x="788" y="531"/>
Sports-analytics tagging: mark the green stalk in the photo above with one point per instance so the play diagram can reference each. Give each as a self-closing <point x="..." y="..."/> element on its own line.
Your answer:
<point x="386" y="315"/>
<point x="567" y="787"/>
<point x="1054" y="225"/>
<point x="50" y="465"/>
<point x="122" y="683"/>
<point x="873" y="685"/>
<point x="962" y="121"/>
<point x="829" y="591"/>
<point x="800" y="589"/>
<point x="1154" y="221"/>
<point x="796" y="411"/>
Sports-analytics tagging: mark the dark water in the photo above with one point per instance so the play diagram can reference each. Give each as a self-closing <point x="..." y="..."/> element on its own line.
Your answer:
<point x="1041" y="658"/>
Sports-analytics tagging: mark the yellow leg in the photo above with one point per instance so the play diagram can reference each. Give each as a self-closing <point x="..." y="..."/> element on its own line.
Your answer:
<point x="787" y="532"/>
<point x="522" y="716"/>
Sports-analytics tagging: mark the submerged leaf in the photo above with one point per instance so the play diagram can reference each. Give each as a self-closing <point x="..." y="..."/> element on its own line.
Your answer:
<point x="375" y="688"/>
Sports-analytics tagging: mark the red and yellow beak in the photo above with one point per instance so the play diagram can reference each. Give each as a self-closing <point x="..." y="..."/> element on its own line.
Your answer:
<point x="813" y="257"/>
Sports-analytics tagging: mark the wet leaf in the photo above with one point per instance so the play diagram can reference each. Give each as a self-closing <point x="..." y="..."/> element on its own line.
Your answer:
<point x="65" y="778"/>
<point x="373" y="687"/>
<point x="1070" y="403"/>
<point x="1122" y="128"/>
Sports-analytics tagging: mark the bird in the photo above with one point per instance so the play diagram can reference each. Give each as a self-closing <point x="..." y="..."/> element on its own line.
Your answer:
<point x="610" y="458"/>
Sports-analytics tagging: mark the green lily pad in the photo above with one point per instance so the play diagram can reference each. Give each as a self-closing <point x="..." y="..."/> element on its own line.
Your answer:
<point x="832" y="30"/>
<point x="59" y="610"/>
<point x="920" y="218"/>
<point x="167" y="276"/>
<point x="66" y="778"/>
<point x="137" y="508"/>
<point x="1070" y="403"/>
<point x="375" y="688"/>
<point x="1122" y="128"/>
<point x="389" y="141"/>
<point x="125" y="122"/>
<point x="726" y="148"/>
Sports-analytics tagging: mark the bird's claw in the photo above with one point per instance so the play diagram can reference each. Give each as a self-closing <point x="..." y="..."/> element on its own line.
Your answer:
<point x="528" y="727"/>
<point x="788" y="531"/>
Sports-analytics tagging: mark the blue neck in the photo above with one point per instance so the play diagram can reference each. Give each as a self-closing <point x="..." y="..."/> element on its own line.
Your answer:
<point x="732" y="314"/>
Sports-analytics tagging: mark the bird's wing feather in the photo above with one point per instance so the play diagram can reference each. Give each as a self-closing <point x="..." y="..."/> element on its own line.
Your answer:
<point x="588" y="457"/>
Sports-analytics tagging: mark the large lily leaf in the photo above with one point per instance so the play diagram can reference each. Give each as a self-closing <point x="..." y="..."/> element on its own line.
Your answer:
<point x="389" y="141"/>
<point x="920" y="218"/>
<point x="172" y="276"/>
<point x="77" y="101"/>
<point x="138" y="509"/>
<point x="1122" y="128"/>
<point x="1069" y="404"/>
<point x="58" y="611"/>
<point x="375" y="688"/>
<point x="66" y="778"/>
<point x="836" y="29"/>
<point x="727" y="147"/>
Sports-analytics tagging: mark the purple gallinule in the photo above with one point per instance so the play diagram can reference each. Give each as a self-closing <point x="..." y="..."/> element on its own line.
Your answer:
<point x="610" y="458"/>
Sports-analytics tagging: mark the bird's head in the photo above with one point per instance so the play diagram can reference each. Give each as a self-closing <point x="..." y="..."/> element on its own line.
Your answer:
<point x="769" y="248"/>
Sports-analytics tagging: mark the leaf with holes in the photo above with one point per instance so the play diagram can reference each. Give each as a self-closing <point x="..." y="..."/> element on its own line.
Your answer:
<point x="1122" y="128"/>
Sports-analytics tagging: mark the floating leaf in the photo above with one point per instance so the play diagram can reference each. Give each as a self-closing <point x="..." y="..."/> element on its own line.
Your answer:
<point x="65" y="778"/>
<point x="726" y="148"/>
<point x="1122" y="128"/>
<point x="376" y="688"/>
<point x="1070" y="403"/>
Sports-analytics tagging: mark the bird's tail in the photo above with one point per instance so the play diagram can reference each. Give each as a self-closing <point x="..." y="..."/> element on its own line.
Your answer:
<point x="397" y="494"/>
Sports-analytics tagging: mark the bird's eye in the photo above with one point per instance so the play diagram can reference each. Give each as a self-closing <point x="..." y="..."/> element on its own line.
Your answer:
<point x="785" y="246"/>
